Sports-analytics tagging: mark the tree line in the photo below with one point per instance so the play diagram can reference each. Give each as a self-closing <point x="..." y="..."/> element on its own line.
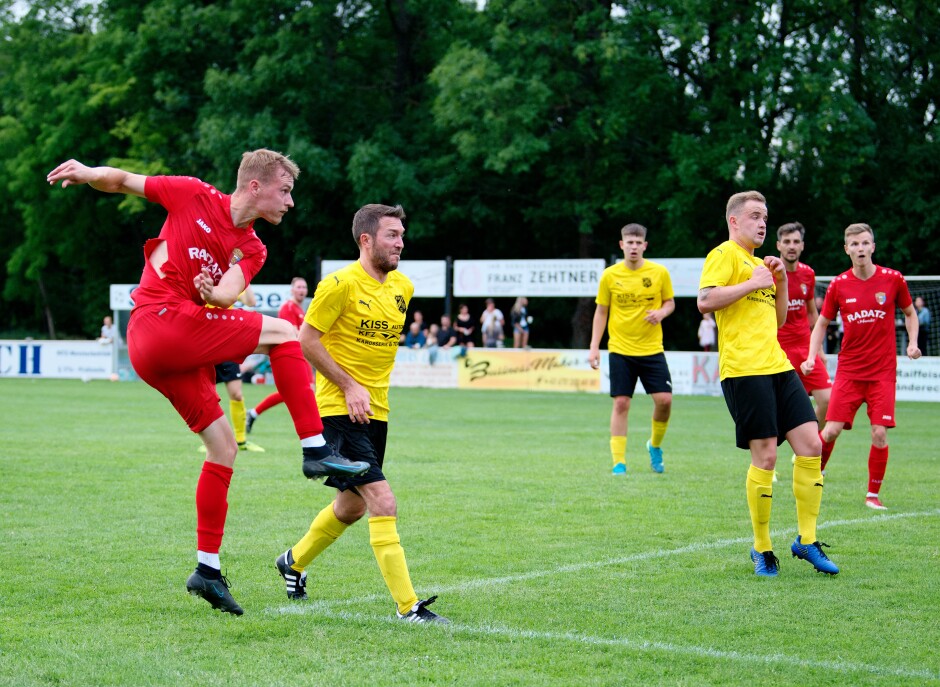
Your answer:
<point x="507" y="129"/>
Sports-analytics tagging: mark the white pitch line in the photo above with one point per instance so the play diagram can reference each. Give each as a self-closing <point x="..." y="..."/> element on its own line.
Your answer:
<point x="640" y="645"/>
<point x="490" y="582"/>
<point x="327" y="609"/>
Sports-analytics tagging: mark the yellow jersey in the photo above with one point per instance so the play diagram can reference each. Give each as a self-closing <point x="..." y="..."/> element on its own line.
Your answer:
<point x="628" y="294"/>
<point x="361" y="321"/>
<point x="747" y="329"/>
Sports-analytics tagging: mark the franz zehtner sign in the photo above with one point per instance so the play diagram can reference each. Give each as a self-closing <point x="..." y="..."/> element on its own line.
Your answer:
<point x="527" y="277"/>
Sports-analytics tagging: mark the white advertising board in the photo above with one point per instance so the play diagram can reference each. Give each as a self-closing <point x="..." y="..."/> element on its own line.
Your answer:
<point x="527" y="277"/>
<point x="270" y="296"/>
<point x="56" y="359"/>
<point x="428" y="276"/>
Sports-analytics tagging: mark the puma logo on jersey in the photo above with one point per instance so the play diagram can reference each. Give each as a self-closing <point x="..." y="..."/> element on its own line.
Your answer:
<point x="368" y="305"/>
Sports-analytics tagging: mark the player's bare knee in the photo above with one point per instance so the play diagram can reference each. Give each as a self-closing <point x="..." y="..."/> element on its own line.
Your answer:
<point x="879" y="436"/>
<point x="621" y="405"/>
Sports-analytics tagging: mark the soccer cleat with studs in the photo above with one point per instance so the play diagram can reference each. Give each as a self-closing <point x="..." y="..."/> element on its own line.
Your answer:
<point x="249" y="421"/>
<point x="420" y="613"/>
<point x="814" y="554"/>
<point x="324" y="461"/>
<point x="619" y="469"/>
<point x="656" y="457"/>
<point x="214" y="591"/>
<point x="250" y="446"/>
<point x="766" y="563"/>
<point x="874" y="503"/>
<point x="296" y="582"/>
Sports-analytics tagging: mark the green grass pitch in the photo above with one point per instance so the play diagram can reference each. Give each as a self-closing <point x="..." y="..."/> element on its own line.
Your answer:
<point x="552" y="571"/>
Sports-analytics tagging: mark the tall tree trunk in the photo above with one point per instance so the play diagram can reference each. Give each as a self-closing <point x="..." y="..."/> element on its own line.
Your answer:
<point x="584" y="310"/>
<point x="50" y="322"/>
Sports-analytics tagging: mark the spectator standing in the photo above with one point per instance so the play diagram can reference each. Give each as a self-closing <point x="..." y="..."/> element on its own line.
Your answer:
<point x="519" y="319"/>
<point x="706" y="332"/>
<point x="491" y="325"/>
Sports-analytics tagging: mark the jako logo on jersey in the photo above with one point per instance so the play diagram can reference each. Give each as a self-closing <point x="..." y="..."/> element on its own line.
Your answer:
<point x="880" y="297"/>
<point x="373" y="324"/>
<point x="205" y="227"/>
<point x="849" y="300"/>
<point x="866" y="315"/>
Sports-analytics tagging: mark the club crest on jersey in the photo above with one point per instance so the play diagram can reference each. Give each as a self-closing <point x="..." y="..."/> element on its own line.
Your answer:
<point x="803" y="288"/>
<point x="235" y="258"/>
<point x="402" y="305"/>
<point x="880" y="297"/>
<point x="647" y="282"/>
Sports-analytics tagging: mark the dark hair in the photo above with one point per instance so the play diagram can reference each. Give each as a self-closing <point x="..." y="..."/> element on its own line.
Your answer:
<point x="367" y="218"/>
<point x="789" y="229"/>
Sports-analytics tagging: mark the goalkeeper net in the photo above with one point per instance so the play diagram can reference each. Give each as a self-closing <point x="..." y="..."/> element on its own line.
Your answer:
<point x="927" y="288"/>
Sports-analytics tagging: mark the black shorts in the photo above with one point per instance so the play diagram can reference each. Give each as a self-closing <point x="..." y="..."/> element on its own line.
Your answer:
<point x="652" y="370"/>
<point x="765" y="406"/>
<point x="357" y="442"/>
<point x="227" y="372"/>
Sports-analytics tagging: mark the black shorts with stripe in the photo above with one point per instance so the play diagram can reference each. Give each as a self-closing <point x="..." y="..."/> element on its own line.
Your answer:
<point x="357" y="442"/>
<point x="652" y="370"/>
<point x="765" y="406"/>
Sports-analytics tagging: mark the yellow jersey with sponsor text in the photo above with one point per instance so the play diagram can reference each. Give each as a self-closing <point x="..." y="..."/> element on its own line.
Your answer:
<point x="747" y="329"/>
<point x="628" y="294"/>
<point x="362" y="321"/>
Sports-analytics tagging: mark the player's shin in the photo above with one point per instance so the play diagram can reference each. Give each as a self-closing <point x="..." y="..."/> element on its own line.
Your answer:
<point x="292" y="378"/>
<point x="760" y="489"/>
<point x="386" y="545"/>
<point x="807" y="489"/>
<point x="325" y="529"/>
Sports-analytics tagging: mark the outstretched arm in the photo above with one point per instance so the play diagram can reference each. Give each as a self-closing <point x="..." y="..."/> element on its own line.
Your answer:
<point x="106" y="179"/>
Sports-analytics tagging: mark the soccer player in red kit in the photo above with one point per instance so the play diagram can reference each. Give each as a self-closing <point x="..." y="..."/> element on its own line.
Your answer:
<point x="866" y="296"/>
<point x="293" y="312"/>
<point x="206" y="254"/>
<point x="801" y="316"/>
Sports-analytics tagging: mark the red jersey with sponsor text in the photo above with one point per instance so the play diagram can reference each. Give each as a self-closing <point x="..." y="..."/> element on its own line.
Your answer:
<point x="199" y="233"/>
<point x="801" y="287"/>
<point x="293" y="313"/>
<point x="869" y="350"/>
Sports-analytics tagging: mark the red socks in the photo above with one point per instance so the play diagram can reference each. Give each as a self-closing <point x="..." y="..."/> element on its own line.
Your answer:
<point x="827" y="447"/>
<point x="211" y="506"/>
<point x="877" y="465"/>
<point x="292" y="377"/>
<point x="269" y="402"/>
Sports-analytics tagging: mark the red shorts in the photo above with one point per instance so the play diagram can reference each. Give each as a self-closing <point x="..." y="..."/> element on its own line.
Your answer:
<point x="818" y="378"/>
<point x="175" y="347"/>
<point x="848" y="395"/>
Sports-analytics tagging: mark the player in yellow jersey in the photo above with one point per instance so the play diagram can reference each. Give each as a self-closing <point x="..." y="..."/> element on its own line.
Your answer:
<point x="636" y="295"/>
<point x="762" y="390"/>
<point x="350" y="335"/>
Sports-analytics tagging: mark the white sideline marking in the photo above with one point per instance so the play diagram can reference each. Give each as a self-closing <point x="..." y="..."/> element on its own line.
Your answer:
<point x="633" y="645"/>
<point x="328" y="608"/>
<point x="489" y="582"/>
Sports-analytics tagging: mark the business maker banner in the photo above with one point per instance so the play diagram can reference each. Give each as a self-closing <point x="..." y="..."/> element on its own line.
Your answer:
<point x="527" y="277"/>
<point x="527" y="369"/>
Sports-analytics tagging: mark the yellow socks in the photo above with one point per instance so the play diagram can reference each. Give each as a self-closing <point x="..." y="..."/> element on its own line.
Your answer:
<point x="324" y="530"/>
<point x="618" y="449"/>
<point x="808" y="489"/>
<point x="383" y="536"/>
<point x="759" y="499"/>
<point x="237" y="410"/>
<point x="659" y="431"/>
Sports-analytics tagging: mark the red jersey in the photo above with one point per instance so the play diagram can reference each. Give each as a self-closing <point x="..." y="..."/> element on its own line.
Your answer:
<point x="801" y="288"/>
<point x="293" y="313"/>
<point x="869" y="350"/>
<point x="199" y="233"/>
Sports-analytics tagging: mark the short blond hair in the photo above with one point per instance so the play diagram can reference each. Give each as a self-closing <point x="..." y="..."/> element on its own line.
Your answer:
<point x="264" y="165"/>
<point x="633" y="230"/>
<point x="856" y="229"/>
<point x="737" y="201"/>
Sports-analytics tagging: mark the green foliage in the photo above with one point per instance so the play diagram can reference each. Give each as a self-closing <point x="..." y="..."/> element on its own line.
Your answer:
<point x="550" y="577"/>
<point x="522" y="129"/>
